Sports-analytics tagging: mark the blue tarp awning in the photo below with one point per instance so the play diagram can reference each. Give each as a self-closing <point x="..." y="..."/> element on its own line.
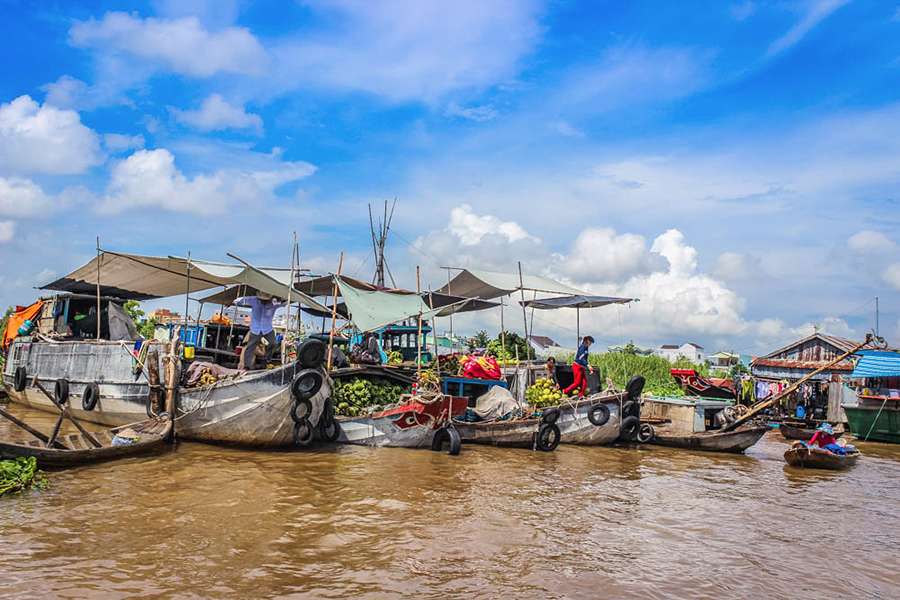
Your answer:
<point x="877" y="363"/>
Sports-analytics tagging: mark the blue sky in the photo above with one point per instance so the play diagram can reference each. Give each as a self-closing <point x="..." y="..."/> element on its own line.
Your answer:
<point x="733" y="164"/>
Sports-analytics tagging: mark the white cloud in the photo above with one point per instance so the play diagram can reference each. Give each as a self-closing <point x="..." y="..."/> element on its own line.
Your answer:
<point x="567" y="129"/>
<point x="471" y="228"/>
<point x="479" y="114"/>
<point x="734" y="266"/>
<point x="7" y="231"/>
<point x="45" y="139"/>
<point x="150" y="179"/>
<point x="870" y="242"/>
<point x="118" y="142"/>
<point x="892" y="275"/>
<point x="816" y="11"/>
<point x="216" y="114"/>
<point x="20" y="197"/>
<point x="182" y="45"/>
<point x="600" y="254"/>
<point x="410" y="50"/>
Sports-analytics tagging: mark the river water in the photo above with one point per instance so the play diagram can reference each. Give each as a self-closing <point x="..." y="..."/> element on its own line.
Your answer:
<point x="209" y="522"/>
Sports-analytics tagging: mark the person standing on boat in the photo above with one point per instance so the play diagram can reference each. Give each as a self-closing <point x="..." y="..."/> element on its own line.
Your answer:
<point x="262" y="310"/>
<point x="579" y="366"/>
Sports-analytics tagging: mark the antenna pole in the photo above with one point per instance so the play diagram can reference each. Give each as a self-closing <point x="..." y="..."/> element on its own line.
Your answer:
<point x="876" y="315"/>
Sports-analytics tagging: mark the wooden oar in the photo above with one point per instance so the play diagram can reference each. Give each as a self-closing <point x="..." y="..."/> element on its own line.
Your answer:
<point x="65" y="411"/>
<point x="38" y="434"/>
<point x="761" y="406"/>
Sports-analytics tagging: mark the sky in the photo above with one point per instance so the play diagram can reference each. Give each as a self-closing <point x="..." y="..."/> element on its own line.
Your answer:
<point x="734" y="165"/>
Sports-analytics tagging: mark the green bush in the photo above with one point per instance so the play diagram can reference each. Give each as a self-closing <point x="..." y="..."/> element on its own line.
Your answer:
<point x="622" y="366"/>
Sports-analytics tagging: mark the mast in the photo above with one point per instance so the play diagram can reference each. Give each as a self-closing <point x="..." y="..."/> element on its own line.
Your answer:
<point x="379" y="234"/>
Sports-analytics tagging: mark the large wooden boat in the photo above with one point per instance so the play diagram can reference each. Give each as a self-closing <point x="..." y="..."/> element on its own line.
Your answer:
<point x="78" y="449"/>
<point x="250" y="408"/>
<point x="874" y="419"/>
<point x="803" y="456"/>
<point x="696" y="423"/>
<point x="800" y="430"/>
<point x="413" y="423"/>
<point x="736" y="441"/>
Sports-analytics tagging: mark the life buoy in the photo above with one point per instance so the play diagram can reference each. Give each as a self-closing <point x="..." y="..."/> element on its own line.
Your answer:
<point x="303" y="433"/>
<point x="90" y="396"/>
<point x="447" y="434"/>
<point x="311" y="354"/>
<point x="61" y="391"/>
<point x="306" y="384"/>
<point x="598" y="415"/>
<point x="645" y="433"/>
<point x="629" y="428"/>
<point x="300" y="410"/>
<point x="547" y="437"/>
<point x="551" y="415"/>
<point x="635" y="386"/>
<point x="21" y="379"/>
<point x="329" y="431"/>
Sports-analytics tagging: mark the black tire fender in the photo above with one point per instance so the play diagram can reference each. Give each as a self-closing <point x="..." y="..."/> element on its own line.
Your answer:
<point x="306" y="384"/>
<point x="646" y="433"/>
<point x="21" y="379"/>
<point x="301" y="410"/>
<point x="547" y="437"/>
<point x="90" y="396"/>
<point x="598" y="415"/>
<point x="303" y="433"/>
<point x="61" y="391"/>
<point x="630" y="409"/>
<point x="635" y="386"/>
<point x="311" y="354"/>
<point x="447" y="434"/>
<point x="551" y="415"/>
<point x="329" y="431"/>
<point x="629" y="428"/>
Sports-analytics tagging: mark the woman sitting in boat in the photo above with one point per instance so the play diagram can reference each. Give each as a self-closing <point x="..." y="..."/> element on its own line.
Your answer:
<point x="550" y="366"/>
<point x="579" y="365"/>
<point x="824" y="438"/>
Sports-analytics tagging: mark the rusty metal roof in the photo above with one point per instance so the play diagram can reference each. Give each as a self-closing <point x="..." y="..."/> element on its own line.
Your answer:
<point x="800" y="364"/>
<point x="837" y="342"/>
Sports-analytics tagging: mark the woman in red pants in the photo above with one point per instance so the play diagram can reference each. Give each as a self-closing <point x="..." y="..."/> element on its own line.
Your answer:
<point x="579" y="366"/>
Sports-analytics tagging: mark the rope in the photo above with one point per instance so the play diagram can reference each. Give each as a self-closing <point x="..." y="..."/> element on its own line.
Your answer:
<point x="875" y="420"/>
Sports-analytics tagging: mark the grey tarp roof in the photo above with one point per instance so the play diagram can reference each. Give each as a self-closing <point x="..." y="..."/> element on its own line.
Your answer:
<point x="471" y="283"/>
<point x="372" y="309"/>
<point x="575" y="302"/>
<point x="138" y="277"/>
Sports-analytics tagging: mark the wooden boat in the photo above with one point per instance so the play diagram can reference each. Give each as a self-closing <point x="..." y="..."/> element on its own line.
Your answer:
<point x="82" y="448"/>
<point x="736" y="441"/>
<point x="802" y="456"/>
<point x="796" y="431"/>
<point x="413" y="423"/>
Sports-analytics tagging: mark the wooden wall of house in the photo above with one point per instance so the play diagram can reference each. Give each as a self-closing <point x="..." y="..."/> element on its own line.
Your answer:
<point x="814" y="350"/>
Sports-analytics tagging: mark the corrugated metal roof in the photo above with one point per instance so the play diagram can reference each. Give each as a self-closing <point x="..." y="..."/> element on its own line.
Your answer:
<point x="837" y="342"/>
<point x="800" y="364"/>
<point x="878" y="364"/>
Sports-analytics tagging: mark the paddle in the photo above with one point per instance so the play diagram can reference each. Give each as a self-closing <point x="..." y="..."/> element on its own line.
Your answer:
<point x="39" y="435"/>
<point x="65" y="412"/>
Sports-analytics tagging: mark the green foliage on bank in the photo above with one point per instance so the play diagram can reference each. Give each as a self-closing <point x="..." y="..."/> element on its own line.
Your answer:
<point x="622" y="366"/>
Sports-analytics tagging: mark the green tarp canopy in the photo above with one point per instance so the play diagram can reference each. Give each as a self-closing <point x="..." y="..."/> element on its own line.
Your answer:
<point x="371" y="310"/>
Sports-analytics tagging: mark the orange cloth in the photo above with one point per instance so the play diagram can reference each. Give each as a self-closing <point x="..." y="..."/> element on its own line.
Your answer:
<point x="17" y="318"/>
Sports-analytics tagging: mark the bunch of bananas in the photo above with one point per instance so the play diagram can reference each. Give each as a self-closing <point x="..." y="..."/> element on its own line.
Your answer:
<point x="395" y="358"/>
<point x="543" y="393"/>
<point x="207" y="378"/>
<point x="356" y="396"/>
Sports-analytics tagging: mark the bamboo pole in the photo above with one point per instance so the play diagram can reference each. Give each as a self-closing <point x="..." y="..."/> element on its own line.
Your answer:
<point x="450" y="293"/>
<point x="38" y="434"/>
<point x="153" y="378"/>
<point x="419" y="336"/>
<point x="502" y="330"/>
<point x="434" y="332"/>
<point x="287" y="322"/>
<point x="99" y="260"/>
<point x="524" y="312"/>
<point x="334" y="311"/>
<point x="68" y="415"/>
<point x="760" y="406"/>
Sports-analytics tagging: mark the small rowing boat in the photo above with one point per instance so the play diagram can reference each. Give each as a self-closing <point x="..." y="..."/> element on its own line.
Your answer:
<point x="736" y="441"/>
<point x="796" y="430"/>
<point x="805" y="457"/>
<point x="88" y="447"/>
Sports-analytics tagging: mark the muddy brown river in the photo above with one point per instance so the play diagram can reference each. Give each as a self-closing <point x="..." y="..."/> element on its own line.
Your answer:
<point x="210" y="522"/>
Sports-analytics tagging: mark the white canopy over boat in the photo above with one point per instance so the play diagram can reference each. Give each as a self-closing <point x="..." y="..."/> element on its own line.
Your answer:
<point x="490" y="284"/>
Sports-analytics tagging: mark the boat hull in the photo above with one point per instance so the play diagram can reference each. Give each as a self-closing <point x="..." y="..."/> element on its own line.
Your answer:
<point x="736" y="441"/>
<point x="815" y="458"/>
<point x="864" y="426"/>
<point x="412" y="425"/>
<point x="793" y="432"/>
<point x="250" y="410"/>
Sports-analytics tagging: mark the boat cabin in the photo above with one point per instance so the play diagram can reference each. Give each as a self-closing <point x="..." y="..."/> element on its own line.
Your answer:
<point x="686" y="415"/>
<point x="71" y="316"/>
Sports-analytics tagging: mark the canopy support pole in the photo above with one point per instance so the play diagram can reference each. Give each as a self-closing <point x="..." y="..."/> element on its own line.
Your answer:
<point x="577" y="326"/>
<point x="502" y="330"/>
<point x="524" y="313"/>
<point x="452" y="349"/>
<point x="419" y="338"/>
<point x="434" y="333"/>
<point x="287" y="323"/>
<point x="334" y="311"/>
<point x="187" y="297"/>
<point x="99" y="260"/>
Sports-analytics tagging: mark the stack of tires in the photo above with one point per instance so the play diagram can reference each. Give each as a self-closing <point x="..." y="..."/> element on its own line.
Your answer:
<point x="305" y="385"/>
<point x="630" y="429"/>
<point x="547" y="437"/>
